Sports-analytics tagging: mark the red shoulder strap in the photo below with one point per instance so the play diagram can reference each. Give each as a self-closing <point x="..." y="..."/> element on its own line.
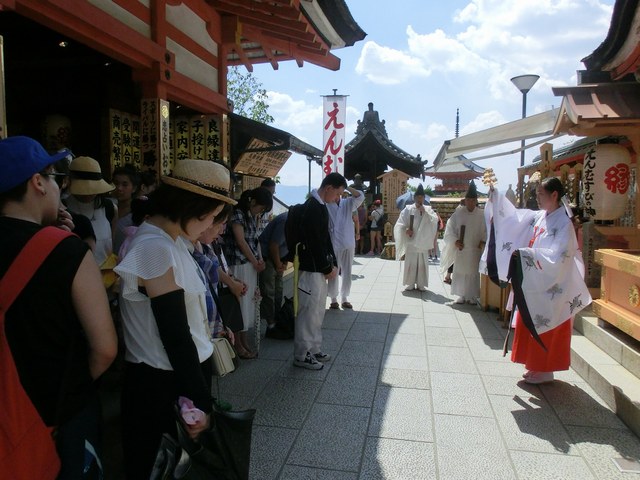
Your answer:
<point x="25" y="265"/>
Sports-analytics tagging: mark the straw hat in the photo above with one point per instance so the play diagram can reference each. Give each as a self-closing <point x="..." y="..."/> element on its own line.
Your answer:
<point x="86" y="177"/>
<point x="203" y="177"/>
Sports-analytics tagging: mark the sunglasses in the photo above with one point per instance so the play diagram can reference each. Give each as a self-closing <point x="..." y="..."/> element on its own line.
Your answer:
<point x="58" y="177"/>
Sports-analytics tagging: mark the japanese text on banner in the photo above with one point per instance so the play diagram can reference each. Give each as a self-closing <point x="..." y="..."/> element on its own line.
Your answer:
<point x="333" y="119"/>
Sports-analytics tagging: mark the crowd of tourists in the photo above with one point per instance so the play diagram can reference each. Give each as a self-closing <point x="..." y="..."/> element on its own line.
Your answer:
<point x="169" y="268"/>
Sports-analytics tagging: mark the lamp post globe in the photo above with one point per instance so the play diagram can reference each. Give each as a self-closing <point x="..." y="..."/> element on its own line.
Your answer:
<point x="524" y="83"/>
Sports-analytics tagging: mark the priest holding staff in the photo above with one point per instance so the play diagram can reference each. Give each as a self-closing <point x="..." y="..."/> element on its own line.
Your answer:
<point x="464" y="240"/>
<point x="414" y="233"/>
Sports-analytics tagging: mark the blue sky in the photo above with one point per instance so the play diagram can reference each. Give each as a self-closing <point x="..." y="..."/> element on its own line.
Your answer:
<point x="422" y="59"/>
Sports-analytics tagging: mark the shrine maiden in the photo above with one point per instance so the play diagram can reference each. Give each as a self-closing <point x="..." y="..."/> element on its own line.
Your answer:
<point x="547" y="276"/>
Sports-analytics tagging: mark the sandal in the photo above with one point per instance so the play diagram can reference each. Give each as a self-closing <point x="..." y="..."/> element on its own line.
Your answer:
<point x="447" y="281"/>
<point x="346" y="305"/>
<point x="246" y="354"/>
<point x="334" y="306"/>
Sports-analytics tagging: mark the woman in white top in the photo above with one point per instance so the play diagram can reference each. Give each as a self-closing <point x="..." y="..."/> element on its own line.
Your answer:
<point x="86" y="190"/>
<point x="164" y="312"/>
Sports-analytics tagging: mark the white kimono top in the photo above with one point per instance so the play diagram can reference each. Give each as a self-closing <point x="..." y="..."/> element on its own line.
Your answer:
<point x="425" y="227"/>
<point x="552" y="267"/>
<point x="465" y="260"/>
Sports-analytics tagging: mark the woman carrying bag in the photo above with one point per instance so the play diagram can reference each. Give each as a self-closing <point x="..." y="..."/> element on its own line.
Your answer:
<point x="242" y="250"/>
<point x="164" y="312"/>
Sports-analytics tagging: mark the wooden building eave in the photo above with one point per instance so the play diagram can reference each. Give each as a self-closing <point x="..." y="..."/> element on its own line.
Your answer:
<point x="373" y="144"/>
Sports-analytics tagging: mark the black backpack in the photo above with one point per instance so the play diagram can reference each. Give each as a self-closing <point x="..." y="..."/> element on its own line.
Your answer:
<point x="285" y="322"/>
<point x="293" y="231"/>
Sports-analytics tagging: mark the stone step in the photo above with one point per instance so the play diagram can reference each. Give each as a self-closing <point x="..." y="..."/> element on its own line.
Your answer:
<point x="618" y="345"/>
<point x="604" y="372"/>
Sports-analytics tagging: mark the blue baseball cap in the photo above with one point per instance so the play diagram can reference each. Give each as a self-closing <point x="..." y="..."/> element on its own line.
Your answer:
<point x="21" y="158"/>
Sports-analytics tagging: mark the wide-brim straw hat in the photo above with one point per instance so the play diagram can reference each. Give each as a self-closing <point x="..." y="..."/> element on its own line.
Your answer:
<point x="86" y="177"/>
<point x="203" y="177"/>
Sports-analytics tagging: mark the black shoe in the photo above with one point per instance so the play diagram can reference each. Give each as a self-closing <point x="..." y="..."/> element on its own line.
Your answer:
<point x="278" y="333"/>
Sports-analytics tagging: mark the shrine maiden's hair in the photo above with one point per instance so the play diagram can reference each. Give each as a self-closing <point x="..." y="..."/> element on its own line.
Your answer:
<point x="553" y="184"/>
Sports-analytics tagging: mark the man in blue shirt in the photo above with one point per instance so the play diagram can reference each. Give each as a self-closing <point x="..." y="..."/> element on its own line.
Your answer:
<point x="274" y="249"/>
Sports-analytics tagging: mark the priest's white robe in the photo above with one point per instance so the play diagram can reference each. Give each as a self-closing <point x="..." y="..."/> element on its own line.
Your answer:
<point x="415" y="249"/>
<point x="465" y="280"/>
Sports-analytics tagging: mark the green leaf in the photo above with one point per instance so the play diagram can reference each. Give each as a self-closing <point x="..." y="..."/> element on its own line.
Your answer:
<point x="248" y="96"/>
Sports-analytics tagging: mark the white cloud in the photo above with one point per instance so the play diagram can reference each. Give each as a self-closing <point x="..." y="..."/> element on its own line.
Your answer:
<point x="483" y="121"/>
<point x="443" y="53"/>
<point x="388" y="66"/>
<point x="500" y="39"/>
<point x="290" y="113"/>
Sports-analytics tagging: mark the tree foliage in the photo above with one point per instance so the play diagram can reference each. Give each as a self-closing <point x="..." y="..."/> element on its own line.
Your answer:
<point x="248" y="96"/>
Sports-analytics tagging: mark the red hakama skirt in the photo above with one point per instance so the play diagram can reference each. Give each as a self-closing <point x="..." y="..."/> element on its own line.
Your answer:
<point x="527" y="351"/>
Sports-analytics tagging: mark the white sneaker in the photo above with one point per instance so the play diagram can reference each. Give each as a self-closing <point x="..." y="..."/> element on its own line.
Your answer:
<point x="536" y="378"/>
<point x="322" y="357"/>
<point x="460" y="300"/>
<point x="472" y="301"/>
<point x="409" y="288"/>
<point x="309" y="362"/>
<point x="422" y="289"/>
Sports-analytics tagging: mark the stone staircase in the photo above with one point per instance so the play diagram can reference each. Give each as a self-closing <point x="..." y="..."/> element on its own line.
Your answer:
<point x="609" y="361"/>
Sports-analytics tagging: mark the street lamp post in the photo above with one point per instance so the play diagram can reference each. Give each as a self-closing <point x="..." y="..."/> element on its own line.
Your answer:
<point x="524" y="83"/>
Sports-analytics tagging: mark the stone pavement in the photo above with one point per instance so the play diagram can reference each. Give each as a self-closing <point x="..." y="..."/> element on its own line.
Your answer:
<point x="418" y="389"/>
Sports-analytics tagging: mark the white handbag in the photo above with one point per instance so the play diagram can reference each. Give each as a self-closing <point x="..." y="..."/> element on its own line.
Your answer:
<point x="223" y="356"/>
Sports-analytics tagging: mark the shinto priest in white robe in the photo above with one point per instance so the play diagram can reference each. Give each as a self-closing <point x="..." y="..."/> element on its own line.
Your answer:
<point x="548" y="278"/>
<point x="466" y="277"/>
<point x="416" y="248"/>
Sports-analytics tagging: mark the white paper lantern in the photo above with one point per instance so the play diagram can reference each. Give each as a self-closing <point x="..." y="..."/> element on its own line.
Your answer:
<point x="605" y="181"/>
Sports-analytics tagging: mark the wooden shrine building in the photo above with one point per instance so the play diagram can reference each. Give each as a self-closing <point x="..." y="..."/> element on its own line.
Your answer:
<point x="145" y="82"/>
<point x="371" y="152"/>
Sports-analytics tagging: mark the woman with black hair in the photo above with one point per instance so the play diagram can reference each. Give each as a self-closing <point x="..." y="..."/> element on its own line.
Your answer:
<point x="164" y="312"/>
<point x="242" y="251"/>
<point x="126" y="179"/>
<point x="538" y="252"/>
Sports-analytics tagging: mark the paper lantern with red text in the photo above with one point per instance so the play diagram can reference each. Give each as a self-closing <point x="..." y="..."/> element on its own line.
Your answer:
<point x="605" y="181"/>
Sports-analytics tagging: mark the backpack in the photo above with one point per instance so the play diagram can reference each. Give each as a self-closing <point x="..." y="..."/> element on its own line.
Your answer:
<point x="285" y="322"/>
<point x="27" y="448"/>
<point x="293" y="231"/>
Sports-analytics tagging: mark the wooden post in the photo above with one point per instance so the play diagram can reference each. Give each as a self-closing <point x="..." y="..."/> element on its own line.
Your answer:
<point x="154" y="135"/>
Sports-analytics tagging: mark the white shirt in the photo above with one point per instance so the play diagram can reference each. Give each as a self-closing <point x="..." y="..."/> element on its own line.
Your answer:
<point x="341" y="227"/>
<point x="151" y="253"/>
<point x="100" y="224"/>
